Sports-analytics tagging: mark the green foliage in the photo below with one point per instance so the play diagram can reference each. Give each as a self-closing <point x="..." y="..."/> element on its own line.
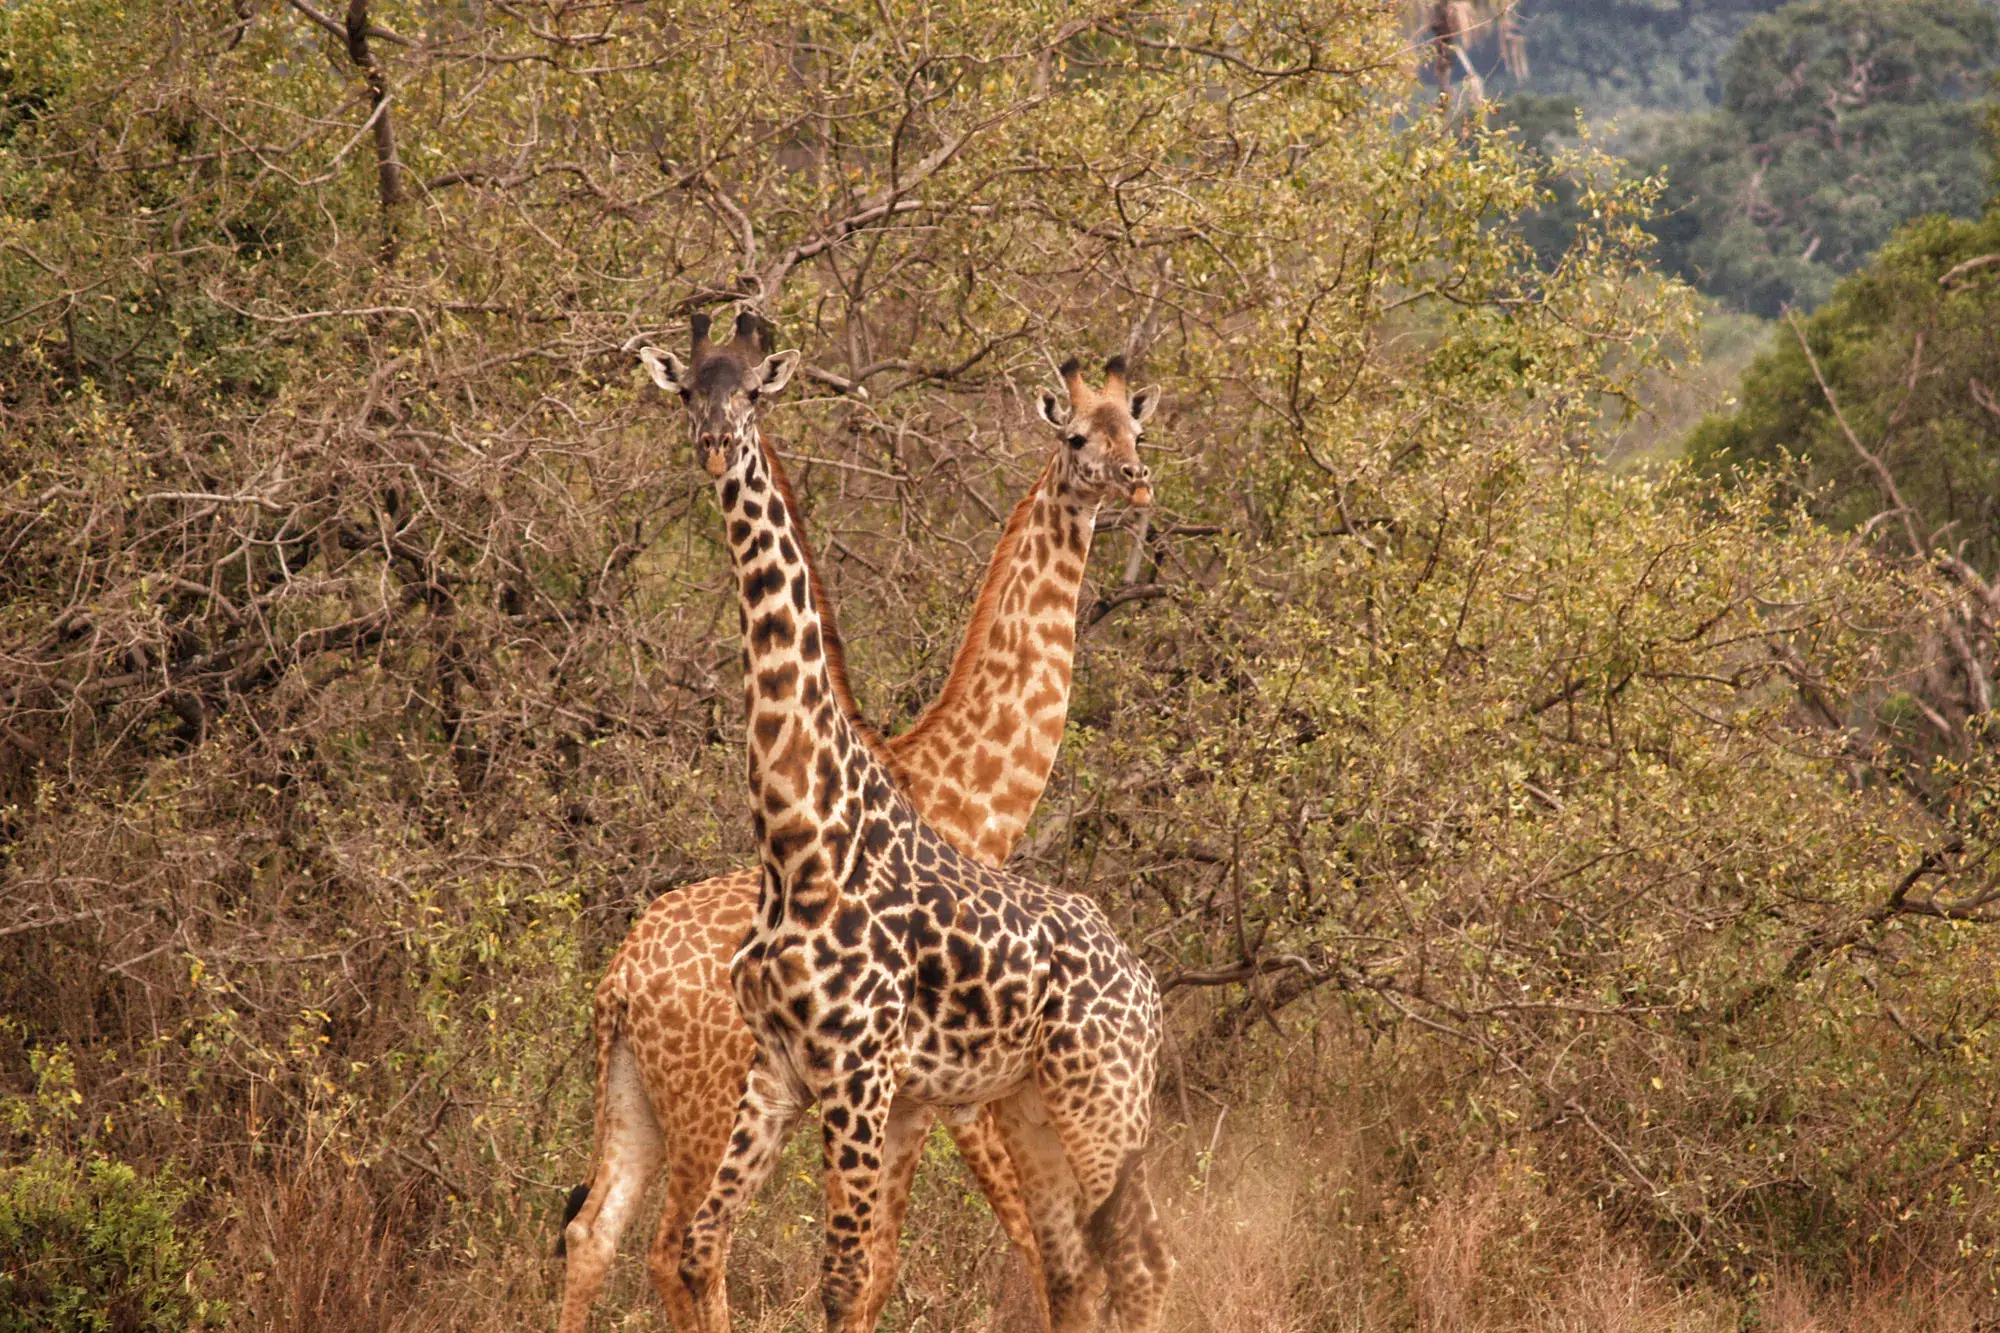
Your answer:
<point x="1834" y="122"/>
<point x="1840" y="120"/>
<point x="1461" y="766"/>
<point x="1610" y="57"/>
<point x="93" y="1247"/>
<point x="1546" y="127"/>
<point x="1907" y="346"/>
<point x="371" y="659"/>
<point x="1877" y="412"/>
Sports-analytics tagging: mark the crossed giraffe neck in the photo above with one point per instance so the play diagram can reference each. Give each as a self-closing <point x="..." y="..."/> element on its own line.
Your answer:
<point x="672" y="1049"/>
<point x="886" y="971"/>
<point x="976" y="761"/>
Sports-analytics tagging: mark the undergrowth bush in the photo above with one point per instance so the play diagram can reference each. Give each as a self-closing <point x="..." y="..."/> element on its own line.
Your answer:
<point x="89" y="1245"/>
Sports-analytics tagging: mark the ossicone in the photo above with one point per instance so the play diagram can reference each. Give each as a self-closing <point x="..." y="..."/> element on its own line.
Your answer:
<point x="1079" y="392"/>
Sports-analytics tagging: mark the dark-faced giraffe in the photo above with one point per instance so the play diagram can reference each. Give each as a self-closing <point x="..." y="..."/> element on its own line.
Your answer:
<point x="672" y="1051"/>
<point x="885" y="971"/>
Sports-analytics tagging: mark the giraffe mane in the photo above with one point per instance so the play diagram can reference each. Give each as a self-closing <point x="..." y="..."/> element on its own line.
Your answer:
<point x="829" y="629"/>
<point x="964" y="662"/>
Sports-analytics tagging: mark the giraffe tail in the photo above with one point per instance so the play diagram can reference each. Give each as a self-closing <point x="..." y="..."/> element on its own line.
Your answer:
<point x="609" y="1025"/>
<point x="1101" y="1231"/>
<point x="577" y="1194"/>
<point x="1124" y="1236"/>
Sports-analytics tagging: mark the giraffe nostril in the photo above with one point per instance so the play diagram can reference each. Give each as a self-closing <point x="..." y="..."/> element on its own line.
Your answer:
<point x="1134" y="471"/>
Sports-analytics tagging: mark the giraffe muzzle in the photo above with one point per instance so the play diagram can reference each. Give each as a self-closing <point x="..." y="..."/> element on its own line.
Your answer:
<point x="1138" y="484"/>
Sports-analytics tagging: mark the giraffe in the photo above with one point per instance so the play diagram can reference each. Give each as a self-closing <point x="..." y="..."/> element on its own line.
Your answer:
<point x="673" y="1051"/>
<point x="887" y="972"/>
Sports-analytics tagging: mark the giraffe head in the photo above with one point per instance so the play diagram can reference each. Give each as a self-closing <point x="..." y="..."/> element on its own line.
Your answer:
<point x="721" y="386"/>
<point x="1102" y="429"/>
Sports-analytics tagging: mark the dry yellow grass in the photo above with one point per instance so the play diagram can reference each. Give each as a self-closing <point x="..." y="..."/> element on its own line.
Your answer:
<point x="1283" y="1220"/>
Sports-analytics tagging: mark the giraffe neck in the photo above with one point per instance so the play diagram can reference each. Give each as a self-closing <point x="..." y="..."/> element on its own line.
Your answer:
<point x="978" y="758"/>
<point x="814" y="770"/>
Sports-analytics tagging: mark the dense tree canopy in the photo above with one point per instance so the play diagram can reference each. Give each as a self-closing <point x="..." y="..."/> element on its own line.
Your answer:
<point x="1610" y="56"/>
<point x="1794" y="140"/>
<point x="1840" y="120"/>
<point x="1906" y="348"/>
<point x="1884" y="399"/>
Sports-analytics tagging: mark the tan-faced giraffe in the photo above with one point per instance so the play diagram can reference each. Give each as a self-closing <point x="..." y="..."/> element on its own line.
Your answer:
<point x="885" y="971"/>
<point x="672" y="1050"/>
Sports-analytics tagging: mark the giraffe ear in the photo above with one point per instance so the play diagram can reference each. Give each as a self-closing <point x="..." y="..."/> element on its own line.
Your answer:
<point x="1143" y="403"/>
<point x="668" y="371"/>
<point x="774" y="373"/>
<point x="1054" y="410"/>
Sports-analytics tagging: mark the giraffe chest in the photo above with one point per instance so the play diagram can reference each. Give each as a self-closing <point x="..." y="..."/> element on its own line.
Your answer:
<point x="942" y="991"/>
<point x="978" y="989"/>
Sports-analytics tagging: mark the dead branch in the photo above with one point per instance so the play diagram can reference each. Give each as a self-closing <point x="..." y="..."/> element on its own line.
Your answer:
<point x="388" y="170"/>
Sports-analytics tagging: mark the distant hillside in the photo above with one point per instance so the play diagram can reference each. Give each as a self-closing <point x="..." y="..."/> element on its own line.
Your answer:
<point x="1610" y="55"/>
<point x="1795" y="138"/>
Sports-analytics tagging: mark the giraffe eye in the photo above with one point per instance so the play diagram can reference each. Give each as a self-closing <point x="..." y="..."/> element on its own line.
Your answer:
<point x="1078" y="441"/>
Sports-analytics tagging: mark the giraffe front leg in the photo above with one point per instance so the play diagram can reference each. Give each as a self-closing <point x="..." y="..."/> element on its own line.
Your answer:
<point x="909" y="1126"/>
<point x="856" y="1138"/>
<point x="765" y="1118"/>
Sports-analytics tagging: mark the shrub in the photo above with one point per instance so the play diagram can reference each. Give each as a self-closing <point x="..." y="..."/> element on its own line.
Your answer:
<point x="92" y="1247"/>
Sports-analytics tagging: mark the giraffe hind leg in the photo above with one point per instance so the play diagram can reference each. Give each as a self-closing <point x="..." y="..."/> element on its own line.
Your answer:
<point x="629" y="1148"/>
<point x="1054" y="1204"/>
<point x="1102" y="1126"/>
<point x="981" y="1144"/>
<point x="687" y="1179"/>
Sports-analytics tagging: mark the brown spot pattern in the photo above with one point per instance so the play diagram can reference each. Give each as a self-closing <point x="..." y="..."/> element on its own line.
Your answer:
<point x="1015" y="988"/>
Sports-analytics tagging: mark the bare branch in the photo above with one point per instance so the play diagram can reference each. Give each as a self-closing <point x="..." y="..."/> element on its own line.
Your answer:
<point x="1883" y="477"/>
<point x="388" y="170"/>
<point x="340" y="29"/>
<point x="1958" y="271"/>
